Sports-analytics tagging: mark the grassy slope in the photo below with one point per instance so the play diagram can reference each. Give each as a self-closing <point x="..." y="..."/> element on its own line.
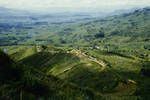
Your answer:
<point x="29" y="83"/>
<point x="79" y="70"/>
<point x="127" y="67"/>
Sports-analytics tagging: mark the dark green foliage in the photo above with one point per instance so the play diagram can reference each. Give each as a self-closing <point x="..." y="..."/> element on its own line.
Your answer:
<point x="44" y="47"/>
<point x="7" y="68"/>
<point x="145" y="71"/>
<point x="100" y="35"/>
<point x="34" y="84"/>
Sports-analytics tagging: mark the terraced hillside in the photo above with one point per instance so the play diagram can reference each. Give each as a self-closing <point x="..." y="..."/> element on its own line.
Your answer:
<point x="30" y="83"/>
<point x="95" y="73"/>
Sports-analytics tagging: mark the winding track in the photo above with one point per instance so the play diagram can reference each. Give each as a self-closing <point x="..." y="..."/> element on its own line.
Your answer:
<point x="81" y="55"/>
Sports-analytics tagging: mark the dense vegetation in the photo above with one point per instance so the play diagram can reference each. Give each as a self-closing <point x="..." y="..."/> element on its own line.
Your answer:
<point x="101" y="58"/>
<point x="19" y="81"/>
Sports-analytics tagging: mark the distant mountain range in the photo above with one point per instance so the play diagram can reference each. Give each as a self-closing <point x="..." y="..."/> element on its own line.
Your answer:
<point x="14" y="14"/>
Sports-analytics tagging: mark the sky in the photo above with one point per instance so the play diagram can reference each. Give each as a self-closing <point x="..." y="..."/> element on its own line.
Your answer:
<point x="73" y="4"/>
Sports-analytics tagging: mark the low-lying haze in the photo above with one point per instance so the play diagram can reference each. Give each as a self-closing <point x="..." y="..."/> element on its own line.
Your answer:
<point x="44" y="5"/>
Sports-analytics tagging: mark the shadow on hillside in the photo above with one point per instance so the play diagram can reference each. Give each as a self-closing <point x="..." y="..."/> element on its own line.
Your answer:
<point x="142" y="82"/>
<point x="47" y="60"/>
<point x="108" y="80"/>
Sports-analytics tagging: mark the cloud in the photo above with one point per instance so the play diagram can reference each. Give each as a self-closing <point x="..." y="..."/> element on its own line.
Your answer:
<point x="73" y="4"/>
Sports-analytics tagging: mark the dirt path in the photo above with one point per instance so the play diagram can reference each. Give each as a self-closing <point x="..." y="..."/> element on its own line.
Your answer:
<point x="84" y="58"/>
<point x="83" y="55"/>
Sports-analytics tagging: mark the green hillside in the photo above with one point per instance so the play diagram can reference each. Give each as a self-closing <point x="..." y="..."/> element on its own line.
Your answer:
<point x="24" y="82"/>
<point x="95" y="73"/>
<point x="101" y="59"/>
<point x="126" y="28"/>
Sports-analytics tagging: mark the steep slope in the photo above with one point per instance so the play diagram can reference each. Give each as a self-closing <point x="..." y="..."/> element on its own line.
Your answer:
<point x="29" y="83"/>
<point x="119" y="77"/>
<point x="79" y="68"/>
<point x="7" y="72"/>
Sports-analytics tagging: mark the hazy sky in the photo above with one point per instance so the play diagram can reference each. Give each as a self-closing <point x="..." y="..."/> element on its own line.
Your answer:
<point x="73" y="4"/>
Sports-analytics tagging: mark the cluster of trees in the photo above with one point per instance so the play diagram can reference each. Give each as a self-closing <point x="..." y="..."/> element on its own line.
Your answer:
<point x="100" y="34"/>
<point x="145" y="71"/>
